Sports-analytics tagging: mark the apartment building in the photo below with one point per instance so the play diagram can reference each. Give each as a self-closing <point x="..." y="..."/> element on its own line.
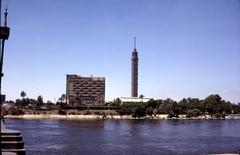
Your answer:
<point x="85" y="90"/>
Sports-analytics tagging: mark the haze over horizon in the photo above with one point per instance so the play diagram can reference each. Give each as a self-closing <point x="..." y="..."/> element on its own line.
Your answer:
<point x="186" y="48"/>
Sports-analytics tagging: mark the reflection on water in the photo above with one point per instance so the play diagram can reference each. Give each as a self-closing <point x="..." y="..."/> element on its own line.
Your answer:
<point x="129" y="136"/>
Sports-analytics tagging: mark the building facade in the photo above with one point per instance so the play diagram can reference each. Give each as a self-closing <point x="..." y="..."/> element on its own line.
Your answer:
<point x="134" y="81"/>
<point x="85" y="90"/>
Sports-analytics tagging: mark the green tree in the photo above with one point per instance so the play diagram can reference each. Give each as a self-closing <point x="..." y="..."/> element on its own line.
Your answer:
<point x="39" y="101"/>
<point x="183" y="105"/>
<point x="125" y="109"/>
<point x="117" y="102"/>
<point x="33" y="103"/>
<point x="139" y="111"/>
<point x="213" y="103"/>
<point x="174" y="110"/>
<point x="23" y="102"/>
<point x="193" y="113"/>
<point x="153" y="103"/>
<point x="193" y="103"/>
<point x="18" y="103"/>
<point x="62" y="98"/>
<point x="149" y="111"/>
<point x="236" y="108"/>
<point x="170" y="107"/>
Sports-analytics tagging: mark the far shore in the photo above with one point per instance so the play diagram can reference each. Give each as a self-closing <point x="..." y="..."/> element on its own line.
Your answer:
<point x="117" y="117"/>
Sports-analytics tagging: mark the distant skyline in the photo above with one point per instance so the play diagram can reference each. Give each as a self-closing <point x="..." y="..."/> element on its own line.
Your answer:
<point x="186" y="48"/>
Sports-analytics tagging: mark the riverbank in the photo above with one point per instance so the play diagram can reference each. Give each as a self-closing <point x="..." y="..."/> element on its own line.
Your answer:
<point x="86" y="117"/>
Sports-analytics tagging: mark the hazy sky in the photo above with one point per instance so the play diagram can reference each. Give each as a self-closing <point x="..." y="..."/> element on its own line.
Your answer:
<point x="187" y="48"/>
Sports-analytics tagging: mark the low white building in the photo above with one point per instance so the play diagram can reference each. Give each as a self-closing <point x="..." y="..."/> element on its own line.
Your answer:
<point x="134" y="99"/>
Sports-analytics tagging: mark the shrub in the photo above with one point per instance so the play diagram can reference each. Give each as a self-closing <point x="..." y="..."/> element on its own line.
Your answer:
<point x="97" y="113"/>
<point x="62" y="112"/>
<point x="193" y="113"/>
<point x="17" y="112"/>
<point x="149" y="111"/>
<point x="139" y="112"/>
<point x="87" y="113"/>
<point x="171" y="115"/>
<point x="155" y="111"/>
<point x="104" y="115"/>
<point x="111" y="114"/>
<point x="219" y="115"/>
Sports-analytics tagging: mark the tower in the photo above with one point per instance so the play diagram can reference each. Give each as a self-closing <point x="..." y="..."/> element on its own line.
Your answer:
<point x="134" y="83"/>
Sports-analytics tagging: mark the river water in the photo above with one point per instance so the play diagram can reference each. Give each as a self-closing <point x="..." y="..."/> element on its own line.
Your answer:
<point x="55" y="137"/>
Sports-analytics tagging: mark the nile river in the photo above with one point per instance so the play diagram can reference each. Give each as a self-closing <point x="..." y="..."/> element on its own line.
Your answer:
<point x="55" y="137"/>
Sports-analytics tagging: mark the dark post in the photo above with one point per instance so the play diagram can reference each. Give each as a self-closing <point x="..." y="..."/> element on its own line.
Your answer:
<point x="4" y="34"/>
<point x="1" y="83"/>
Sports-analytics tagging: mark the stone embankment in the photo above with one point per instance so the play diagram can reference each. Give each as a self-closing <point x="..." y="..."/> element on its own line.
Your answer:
<point x="85" y="117"/>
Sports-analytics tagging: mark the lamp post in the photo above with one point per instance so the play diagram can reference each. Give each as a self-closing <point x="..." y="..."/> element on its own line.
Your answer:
<point x="4" y="34"/>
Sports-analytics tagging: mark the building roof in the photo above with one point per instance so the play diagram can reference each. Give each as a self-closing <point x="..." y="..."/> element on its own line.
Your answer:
<point x="134" y="99"/>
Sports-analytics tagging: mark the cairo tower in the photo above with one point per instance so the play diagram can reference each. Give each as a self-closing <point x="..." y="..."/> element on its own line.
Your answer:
<point x="134" y="83"/>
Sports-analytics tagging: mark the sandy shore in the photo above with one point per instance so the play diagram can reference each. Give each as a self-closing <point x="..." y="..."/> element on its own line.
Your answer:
<point x="87" y="117"/>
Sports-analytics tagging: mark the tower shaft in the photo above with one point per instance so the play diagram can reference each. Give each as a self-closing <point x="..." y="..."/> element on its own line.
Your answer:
<point x="134" y="81"/>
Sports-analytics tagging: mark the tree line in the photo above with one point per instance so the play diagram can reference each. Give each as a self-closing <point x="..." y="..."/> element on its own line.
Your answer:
<point x="213" y="105"/>
<point x="29" y="103"/>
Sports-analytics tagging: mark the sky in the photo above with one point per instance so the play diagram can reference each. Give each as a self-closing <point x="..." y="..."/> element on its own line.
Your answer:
<point x="187" y="48"/>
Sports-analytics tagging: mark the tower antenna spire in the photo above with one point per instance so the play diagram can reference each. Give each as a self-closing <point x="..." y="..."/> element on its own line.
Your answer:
<point x="134" y="42"/>
<point x="5" y="14"/>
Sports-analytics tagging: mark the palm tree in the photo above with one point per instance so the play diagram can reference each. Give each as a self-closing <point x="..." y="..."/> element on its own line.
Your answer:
<point x="62" y="98"/>
<point x="23" y="94"/>
<point x="141" y="97"/>
<point x="39" y="101"/>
